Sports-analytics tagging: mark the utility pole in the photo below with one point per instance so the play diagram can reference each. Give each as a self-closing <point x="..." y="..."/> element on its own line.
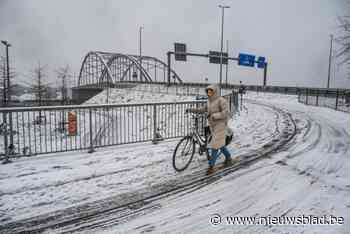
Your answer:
<point x="39" y="84"/>
<point x="222" y="40"/>
<point x="140" y="47"/>
<point x="330" y="62"/>
<point x="8" y="148"/>
<point x="4" y="84"/>
<point x="227" y="61"/>
<point x="8" y="90"/>
<point x="8" y="74"/>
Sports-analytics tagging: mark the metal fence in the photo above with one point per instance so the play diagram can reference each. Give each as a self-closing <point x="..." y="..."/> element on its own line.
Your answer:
<point x="335" y="99"/>
<point x="28" y="131"/>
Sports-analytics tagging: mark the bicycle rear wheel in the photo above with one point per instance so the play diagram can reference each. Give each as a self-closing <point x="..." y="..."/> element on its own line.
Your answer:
<point x="183" y="153"/>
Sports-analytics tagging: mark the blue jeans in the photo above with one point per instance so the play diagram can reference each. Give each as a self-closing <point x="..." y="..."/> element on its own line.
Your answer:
<point x="215" y="153"/>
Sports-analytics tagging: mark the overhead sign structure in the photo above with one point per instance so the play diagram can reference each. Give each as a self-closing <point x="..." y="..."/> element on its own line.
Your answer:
<point x="261" y="62"/>
<point x="180" y="48"/>
<point x="214" y="57"/>
<point x="246" y="60"/>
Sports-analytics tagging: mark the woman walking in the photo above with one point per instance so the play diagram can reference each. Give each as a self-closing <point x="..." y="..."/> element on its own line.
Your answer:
<point x="218" y="116"/>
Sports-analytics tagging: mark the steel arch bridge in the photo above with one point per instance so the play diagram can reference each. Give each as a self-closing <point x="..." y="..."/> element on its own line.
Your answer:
<point x="103" y="69"/>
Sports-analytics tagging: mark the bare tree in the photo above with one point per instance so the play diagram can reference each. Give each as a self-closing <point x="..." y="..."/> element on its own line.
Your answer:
<point x="344" y="40"/>
<point x="39" y="87"/>
<point x="64" y="78"/>
<point x="3" y="80"/>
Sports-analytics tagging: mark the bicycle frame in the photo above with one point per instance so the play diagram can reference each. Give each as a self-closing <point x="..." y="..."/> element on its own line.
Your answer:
<point x="202" y="141"/>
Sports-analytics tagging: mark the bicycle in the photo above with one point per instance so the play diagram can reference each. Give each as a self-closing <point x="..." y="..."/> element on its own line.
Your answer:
<point x="185" y="149"/>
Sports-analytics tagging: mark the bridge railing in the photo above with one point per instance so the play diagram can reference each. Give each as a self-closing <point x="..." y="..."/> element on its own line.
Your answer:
<point x="292" y="90"/>
<point x="40" y="130"/>
<point x="338" y="99"/>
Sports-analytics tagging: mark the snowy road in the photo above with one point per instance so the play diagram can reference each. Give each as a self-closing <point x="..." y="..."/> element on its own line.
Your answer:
<point x="307" y="176"/>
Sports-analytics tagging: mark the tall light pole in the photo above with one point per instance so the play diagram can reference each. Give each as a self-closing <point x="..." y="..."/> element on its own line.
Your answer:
<point x="330" y="62"/>
<point x="4" y="84"/>
<point x="227" y="61"/>
<point x="222" y="40"/>
<point x="7" y="97"/>
<point x="140" y="47"/>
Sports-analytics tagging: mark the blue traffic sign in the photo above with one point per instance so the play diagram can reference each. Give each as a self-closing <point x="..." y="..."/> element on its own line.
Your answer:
<point x="261" y="62"/>
<point x="246" y="60"/>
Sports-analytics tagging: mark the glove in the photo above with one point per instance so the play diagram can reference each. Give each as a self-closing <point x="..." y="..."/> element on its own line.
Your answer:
<point x="211" y="117"/>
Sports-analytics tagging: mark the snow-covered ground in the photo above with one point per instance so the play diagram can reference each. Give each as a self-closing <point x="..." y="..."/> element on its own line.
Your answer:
<point x="136" y="95"/>
<point x="137" y="123"/>
<point x="308" y="176"/>
<point x="26" y="96"/>
<point x="173" y="89"/>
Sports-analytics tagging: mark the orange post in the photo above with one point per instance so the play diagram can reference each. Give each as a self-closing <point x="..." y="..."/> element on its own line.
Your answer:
<point x="72" y="123"/>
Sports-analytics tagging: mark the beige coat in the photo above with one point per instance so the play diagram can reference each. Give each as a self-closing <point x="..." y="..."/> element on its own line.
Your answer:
<point x="218" y="113"/>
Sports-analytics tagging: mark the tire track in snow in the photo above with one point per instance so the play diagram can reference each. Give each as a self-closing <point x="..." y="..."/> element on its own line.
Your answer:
<point x="318" y="150"/>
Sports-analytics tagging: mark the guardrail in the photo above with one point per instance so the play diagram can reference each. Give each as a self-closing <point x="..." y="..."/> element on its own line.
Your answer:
<point x="335" y="99"/>
<point x="294" y="90"/>
<point x="31" y="131"/>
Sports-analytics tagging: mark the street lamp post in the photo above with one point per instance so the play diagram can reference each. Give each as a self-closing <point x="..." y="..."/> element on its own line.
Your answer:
<point x="227" y="62"/>
<point x="330" y="62"/>
<point x="4" y="84"/>
<point x="140" y="47"/>
<point x="222" y="40"/>
<point x="7" y="97"/>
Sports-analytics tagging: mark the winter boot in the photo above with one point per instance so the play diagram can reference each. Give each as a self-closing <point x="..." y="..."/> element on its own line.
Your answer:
<point x="229" y="161"/>
<point x="210" y="170"/>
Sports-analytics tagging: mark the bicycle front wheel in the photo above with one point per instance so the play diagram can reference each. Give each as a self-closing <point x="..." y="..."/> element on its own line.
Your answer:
<point x="183" y="153"/>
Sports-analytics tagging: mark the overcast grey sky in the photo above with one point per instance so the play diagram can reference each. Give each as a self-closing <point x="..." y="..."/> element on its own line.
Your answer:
<point x="293" y="35"/>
